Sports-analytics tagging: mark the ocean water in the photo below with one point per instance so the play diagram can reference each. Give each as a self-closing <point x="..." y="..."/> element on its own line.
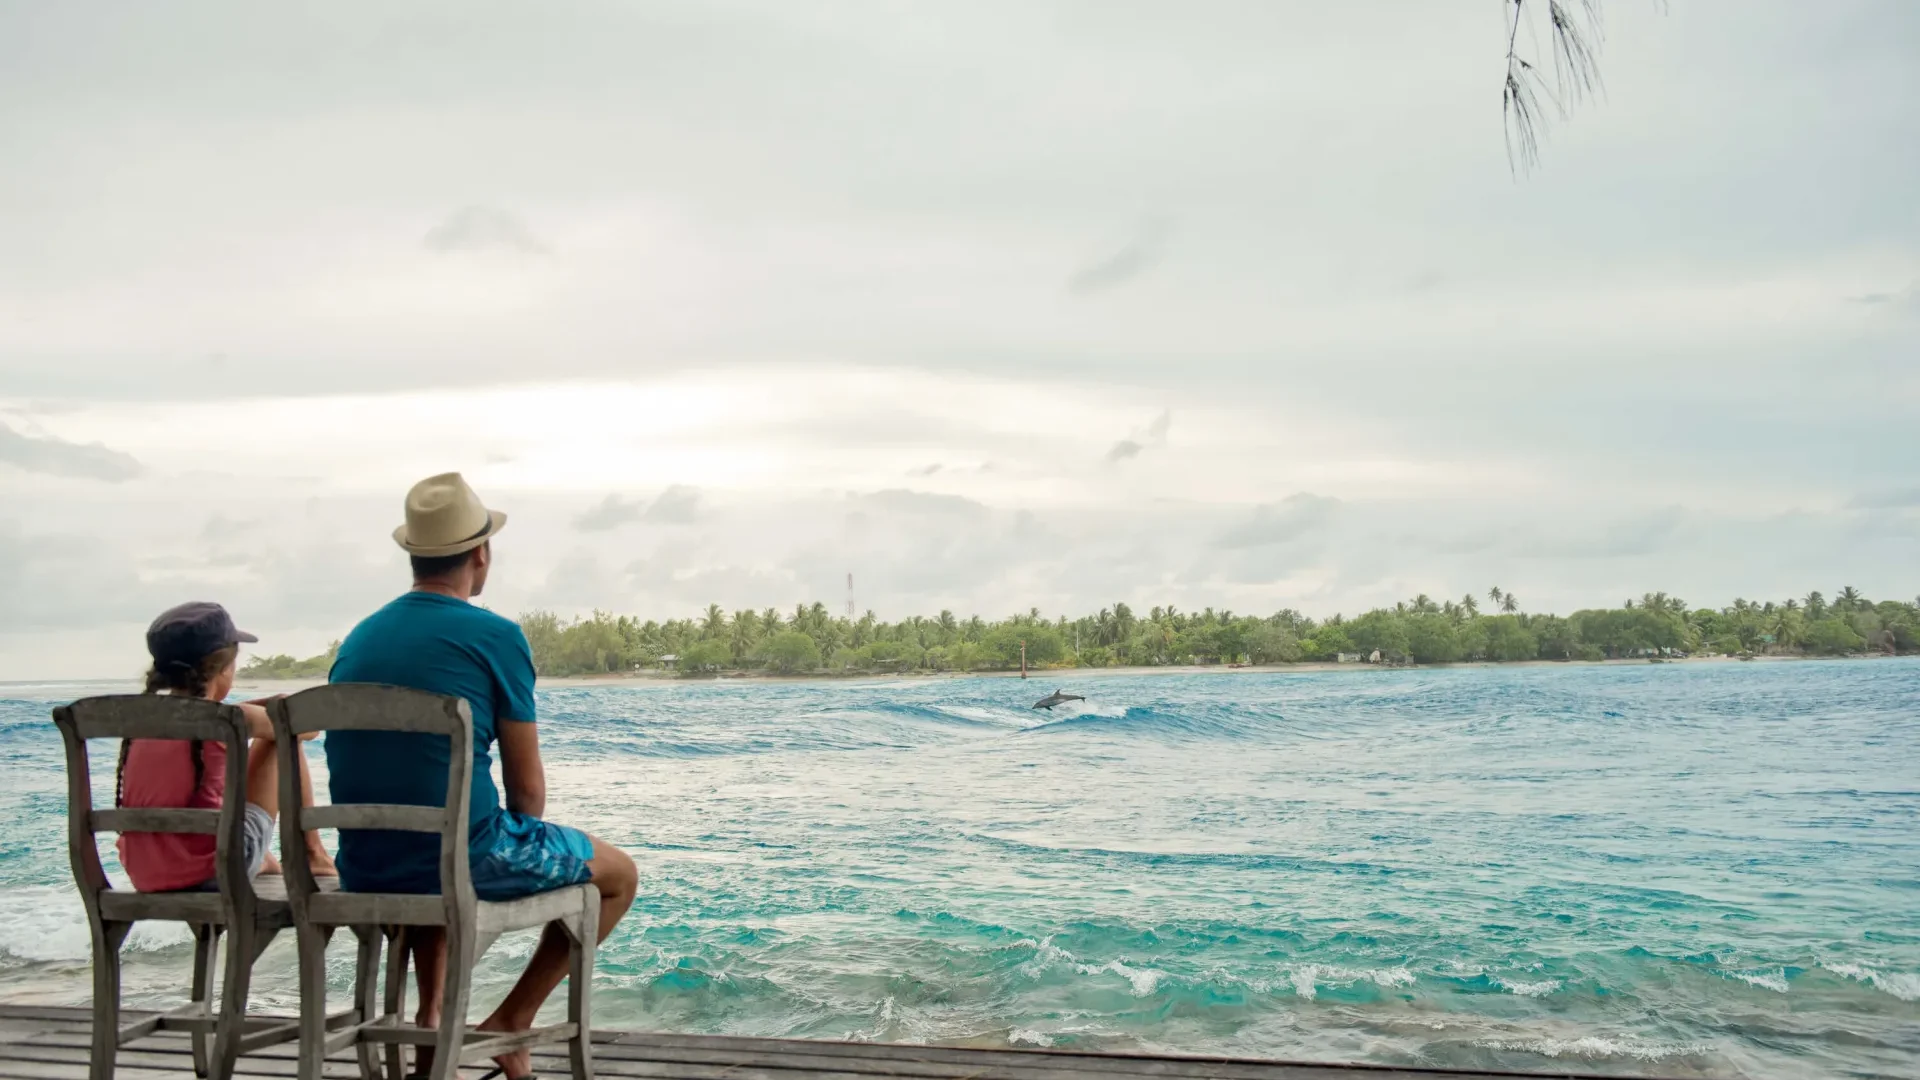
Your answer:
<point x="1684" y="870"/>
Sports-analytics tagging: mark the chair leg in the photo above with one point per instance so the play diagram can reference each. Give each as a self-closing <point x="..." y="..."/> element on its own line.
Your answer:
<point x="313" y="999"/>
<point x="396" y="998"/>
<point x="586" y="935"/>
<point x="366" y="995"/>
<point x="107" y="939"/>
<point x="231" y="1024"/>
<point x="206" y="950"/>
<point x="453" y="1008"/>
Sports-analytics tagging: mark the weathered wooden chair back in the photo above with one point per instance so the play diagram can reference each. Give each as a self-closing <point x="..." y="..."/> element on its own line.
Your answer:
<point x="358" y="707"/>
<point x="248" y="920"/>
<point x="154" y="716"/>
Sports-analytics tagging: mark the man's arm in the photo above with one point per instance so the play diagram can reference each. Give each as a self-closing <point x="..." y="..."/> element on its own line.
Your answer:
<point x="520" y="767"/>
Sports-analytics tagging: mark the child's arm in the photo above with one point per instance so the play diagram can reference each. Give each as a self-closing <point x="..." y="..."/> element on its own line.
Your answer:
<point x="259" y="725"/>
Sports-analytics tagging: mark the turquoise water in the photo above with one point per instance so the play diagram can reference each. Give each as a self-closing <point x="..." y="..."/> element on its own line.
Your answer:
<point x="1687" y="869"/>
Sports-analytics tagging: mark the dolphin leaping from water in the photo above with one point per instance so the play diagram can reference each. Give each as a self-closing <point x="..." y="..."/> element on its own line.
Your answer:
<point x="1056" y="698"/>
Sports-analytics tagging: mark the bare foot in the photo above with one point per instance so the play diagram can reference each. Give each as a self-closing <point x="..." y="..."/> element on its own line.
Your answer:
<point x="515" y="1065"/>
<point x="321" y="864"/>
<point x="269" y="864"/>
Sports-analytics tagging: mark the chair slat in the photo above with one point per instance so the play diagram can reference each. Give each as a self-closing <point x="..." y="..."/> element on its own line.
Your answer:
<point x="152" y="716"/>
<point x="384" y="909"/>
<point x="425" y="819"/>
<point x="368" y="707"/>
<point x="126" y="906"/>
<point x="153" y="819"/>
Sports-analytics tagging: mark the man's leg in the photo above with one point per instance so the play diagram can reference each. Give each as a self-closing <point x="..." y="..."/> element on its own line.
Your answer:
<point x="428" y="944"/>
<point x="617" y="879"/>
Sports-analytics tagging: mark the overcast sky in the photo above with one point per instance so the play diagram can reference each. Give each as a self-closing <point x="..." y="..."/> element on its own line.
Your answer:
<point x="994" y="305"/>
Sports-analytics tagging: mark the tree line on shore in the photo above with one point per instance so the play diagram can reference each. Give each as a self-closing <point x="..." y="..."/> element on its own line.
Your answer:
<point x="811" y="640"/>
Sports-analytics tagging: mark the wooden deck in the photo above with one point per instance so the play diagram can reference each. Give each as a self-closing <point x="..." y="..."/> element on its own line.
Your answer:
<point x="50" y="1043"/>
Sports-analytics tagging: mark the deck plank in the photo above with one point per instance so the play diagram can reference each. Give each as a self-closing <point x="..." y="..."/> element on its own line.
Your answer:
<point x="52" y="1043"/>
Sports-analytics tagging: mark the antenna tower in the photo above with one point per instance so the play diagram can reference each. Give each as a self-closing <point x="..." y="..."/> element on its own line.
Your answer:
<point x="849" y="596"/>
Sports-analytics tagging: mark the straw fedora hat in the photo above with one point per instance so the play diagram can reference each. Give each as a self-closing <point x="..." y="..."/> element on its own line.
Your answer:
<point x="445" y="517"/>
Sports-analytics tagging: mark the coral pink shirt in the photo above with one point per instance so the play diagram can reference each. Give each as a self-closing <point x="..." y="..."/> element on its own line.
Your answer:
<point x="159" y="774"/>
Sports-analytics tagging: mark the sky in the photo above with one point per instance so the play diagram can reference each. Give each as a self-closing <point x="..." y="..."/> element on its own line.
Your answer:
<point x="994" y="305"/>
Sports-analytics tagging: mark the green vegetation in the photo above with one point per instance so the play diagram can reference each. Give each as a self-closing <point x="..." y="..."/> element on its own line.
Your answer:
<point x="809" y="640"/>
<point x="286" y="667"/>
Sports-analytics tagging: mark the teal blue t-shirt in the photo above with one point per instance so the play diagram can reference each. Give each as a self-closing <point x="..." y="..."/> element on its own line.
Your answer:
<point x="445" y="646"/>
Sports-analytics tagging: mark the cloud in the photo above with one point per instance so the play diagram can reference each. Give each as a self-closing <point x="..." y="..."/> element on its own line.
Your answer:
<point x="1296" y="516"/>
<point x="483" y="228"/>
<point x="1907" y="298"/>
<point x="1137" y="443"/>
<point x="610" y="513"/>
<point x="57" y="457"/>
<point x="900" y="501"/>
<point x="64" y="581"/>
<point x="678" y="505"/>
<point x="1895" y="499"/>
<point x="1635" y="535"/>
<point x="1139" y="254"/>
<point x="220" y="527"/>
<point x="925" y="470"/>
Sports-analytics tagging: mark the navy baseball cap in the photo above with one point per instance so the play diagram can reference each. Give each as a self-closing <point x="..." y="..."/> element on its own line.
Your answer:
<point x="191" y="632"/>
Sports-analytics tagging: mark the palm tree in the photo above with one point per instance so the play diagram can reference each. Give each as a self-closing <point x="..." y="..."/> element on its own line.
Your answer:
<point x="770" y="621"/>
<point x="1424" y="604"/>
<point x="746" y="633"/>
<point x="1494" y="594"/>
<point x="1470" y="605"/>
<point x="1508" y="604"/>
<point x="1848" y="600"/>
<point x="1788" y="628"/>
<point x="1526" y="93"/>
<point x="1816" y="604"/>
<point x="715" y="624"/>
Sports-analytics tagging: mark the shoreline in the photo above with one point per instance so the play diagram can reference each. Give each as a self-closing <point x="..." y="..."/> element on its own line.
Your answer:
<point x="669" y="678"/>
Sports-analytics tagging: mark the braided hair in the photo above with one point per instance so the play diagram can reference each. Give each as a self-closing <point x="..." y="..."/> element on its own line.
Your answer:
<point x="183" y="680"/>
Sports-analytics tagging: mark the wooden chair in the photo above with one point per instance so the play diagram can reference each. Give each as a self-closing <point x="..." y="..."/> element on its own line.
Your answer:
<point x="249" y="913"/>
<point x="471" y="925"/>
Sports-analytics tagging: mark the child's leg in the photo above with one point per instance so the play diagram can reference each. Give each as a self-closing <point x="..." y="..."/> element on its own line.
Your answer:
<point x="320" y="862"/>
<point x="263" y="777"/>
<point x="263" y="789"/>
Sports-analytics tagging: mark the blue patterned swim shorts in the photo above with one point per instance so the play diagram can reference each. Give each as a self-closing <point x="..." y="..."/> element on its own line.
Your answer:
<point x="529" y="856"/>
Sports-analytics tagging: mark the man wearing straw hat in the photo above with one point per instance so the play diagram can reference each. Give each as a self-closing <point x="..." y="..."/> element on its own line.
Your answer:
<point x="433" y="638"/>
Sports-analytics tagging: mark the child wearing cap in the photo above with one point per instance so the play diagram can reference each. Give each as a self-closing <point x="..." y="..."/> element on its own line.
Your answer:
<point x="195" y="648"/>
